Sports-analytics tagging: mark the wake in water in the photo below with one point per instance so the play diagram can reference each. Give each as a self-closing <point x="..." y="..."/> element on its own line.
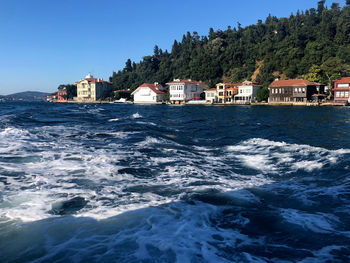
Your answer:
<point x="138" y="189"/>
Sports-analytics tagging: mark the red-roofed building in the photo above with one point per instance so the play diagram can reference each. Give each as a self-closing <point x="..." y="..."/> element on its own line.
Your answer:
<point x="182" y="90"/>
<point x="62" y="95"/>
<point x="226" y="91"/>
<point x="294" y="91"/>
<point x="149" y="93"/>
<point x="92" y="89"/>
<point x="342" y="91"/>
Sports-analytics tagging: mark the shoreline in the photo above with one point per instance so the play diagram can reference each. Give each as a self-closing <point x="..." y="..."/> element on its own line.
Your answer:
<point x="311" y="104"/>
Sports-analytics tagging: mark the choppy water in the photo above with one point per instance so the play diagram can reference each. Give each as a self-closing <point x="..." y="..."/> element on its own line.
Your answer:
<point x="128" y="183"/>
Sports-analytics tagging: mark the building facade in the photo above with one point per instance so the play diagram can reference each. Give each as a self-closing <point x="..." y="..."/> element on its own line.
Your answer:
<point x="247" y="92"/>
<point x="62" y="95"/>
<point x="211" y="95"/>
<point x="182" y="91"/>
<point x="294" y="91"/>
<point x="92" y="89"/>
<point x="342" y="91"/>
<point x="226" y="92"/>
<point x="149" y="93"/>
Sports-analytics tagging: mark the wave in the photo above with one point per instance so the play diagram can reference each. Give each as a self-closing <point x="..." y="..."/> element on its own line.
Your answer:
<point x="280" y="158"/>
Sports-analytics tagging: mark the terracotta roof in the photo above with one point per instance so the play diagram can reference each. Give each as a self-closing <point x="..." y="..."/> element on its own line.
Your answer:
<point x="319" y="95"/>
<point x="185" y="81"/>
<point x="293" y="82"/>
<point x="210" y="90"/>
<point x="344" y="80"/>
<point x="153" y="87"/>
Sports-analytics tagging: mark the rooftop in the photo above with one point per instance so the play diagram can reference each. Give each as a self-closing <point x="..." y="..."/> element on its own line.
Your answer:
<point x="293" y="82"/>
<point x="176" y="81"/>
<point x="154" y="87"/>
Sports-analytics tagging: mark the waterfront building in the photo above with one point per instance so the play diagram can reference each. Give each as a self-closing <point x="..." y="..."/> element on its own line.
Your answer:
<point x="92" y="89"/>
<point x="149" y="93"/>
<point x="294" y="91"/>
<point x="342" y="91"/>
<point x="62" y="95"/>
<point x="226" y="92"/>
<point x="182" y="91"/>
<point x="211" y="95"/>
<point x="247" y="92"/>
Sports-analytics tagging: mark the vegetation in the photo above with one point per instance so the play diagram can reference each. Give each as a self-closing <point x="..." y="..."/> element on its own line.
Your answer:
<point x="262" y="94"/>
<point x="71" y="90"/>
<point x="312" y="44"/>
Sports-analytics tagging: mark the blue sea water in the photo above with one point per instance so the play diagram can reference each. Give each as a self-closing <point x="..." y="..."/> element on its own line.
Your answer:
<point x="133" y="183"/>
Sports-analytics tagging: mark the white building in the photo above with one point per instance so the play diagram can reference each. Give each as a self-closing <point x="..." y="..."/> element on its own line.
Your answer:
<point x="247" y="92"/>
<point x="182" y="91"/>
<point x="211" y="95"/>
<point x="149" y="93"/>
<point x="92" y="89"/>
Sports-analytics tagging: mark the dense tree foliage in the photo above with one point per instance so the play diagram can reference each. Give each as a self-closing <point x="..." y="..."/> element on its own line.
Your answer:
<point x="71" y="90"/>
<point x="314" y="44"/>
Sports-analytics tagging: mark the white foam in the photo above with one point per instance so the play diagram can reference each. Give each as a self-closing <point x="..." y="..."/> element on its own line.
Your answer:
<point x="136" y="115"/>
<point x="272" y="157"/>
<point x="308" y="165"/>
<point x="111" y="120"/>
<point x="319" y="223"/>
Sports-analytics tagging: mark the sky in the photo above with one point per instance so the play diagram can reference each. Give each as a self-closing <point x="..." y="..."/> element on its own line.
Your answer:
<point x="45" y="43"/>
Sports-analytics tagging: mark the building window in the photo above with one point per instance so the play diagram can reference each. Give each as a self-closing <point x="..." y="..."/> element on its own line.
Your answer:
<point x="346" y="94"/>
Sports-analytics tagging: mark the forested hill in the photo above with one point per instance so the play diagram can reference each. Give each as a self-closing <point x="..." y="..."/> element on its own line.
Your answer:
<point x="312" y="44"/>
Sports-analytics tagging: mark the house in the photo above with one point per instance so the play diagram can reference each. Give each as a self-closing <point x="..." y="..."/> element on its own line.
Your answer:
<point x="342" y="91"/>
<point x="247" y="92"/>
<point x="182" y="91"/>
<point x="210" y="95"/>
<point x="226" y="92"/>
<point x="149" y="93"/>
<point x="294" y="91"/>
<point x="92" y="89"/>
<point x="62" y="95"/>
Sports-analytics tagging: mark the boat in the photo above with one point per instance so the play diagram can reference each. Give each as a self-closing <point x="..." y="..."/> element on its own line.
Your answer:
<point x="121" y="100"/>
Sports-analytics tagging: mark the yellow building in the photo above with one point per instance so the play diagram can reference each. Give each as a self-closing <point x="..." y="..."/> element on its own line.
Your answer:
<point x="225" y="92"/>
<point x="92" y="89"/>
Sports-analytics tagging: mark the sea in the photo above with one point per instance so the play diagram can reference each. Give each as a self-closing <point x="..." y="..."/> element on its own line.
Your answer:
<point x="162" y="183"/>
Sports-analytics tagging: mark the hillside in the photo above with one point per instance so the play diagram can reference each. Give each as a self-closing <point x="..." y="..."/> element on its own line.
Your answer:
<point x="312" y="44"/>
<point x="27" y="96"/>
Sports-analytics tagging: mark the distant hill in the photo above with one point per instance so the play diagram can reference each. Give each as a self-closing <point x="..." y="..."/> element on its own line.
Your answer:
<point x="27" y="96"/>
<point x="313" y="44"/>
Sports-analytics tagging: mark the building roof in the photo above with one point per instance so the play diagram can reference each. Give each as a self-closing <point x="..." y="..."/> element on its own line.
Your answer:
<point x="176" y="81"/>
<point x="345" y="80"/>
<point x="293" y="82"/>
<point x="93" y="80"/>
<point x="210" y="90"/>
<point x="153" y="87"/>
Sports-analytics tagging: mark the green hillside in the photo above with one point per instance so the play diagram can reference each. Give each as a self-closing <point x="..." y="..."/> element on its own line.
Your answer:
<point x="312" y="44"/>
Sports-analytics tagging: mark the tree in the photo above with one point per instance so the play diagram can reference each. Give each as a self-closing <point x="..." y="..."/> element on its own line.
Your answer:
<point x="289" y="47"/>
<point x="315" y="74"/>
<point x="71" y="90"/>
<point x="262" y="94"/>
<point x="334" y="68"/>
<point x="128" y="66"/>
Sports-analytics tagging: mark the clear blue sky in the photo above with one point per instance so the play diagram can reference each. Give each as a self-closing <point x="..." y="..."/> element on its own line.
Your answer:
<point x="44" y="43"/>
